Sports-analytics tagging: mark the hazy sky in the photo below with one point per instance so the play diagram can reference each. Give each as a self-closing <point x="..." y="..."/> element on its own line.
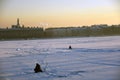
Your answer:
<point x="59" y="13"/>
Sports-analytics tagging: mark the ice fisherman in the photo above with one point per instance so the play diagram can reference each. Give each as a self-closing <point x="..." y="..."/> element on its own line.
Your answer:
<point x="70" y="47"/>
<point x="37" y="68"/>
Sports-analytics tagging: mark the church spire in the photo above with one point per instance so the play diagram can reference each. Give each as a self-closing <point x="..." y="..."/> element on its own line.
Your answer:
<point x="18" y="24"/>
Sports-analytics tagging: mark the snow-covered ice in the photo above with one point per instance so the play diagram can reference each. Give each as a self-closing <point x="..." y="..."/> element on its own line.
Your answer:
<point x="91" y="58"/>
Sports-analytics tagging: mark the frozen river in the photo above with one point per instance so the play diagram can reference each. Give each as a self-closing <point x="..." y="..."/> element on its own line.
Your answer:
<point x="91" y="58"/>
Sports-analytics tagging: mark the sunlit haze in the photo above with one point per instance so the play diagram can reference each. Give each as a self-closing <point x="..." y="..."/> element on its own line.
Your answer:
<point x="59" y="13"/>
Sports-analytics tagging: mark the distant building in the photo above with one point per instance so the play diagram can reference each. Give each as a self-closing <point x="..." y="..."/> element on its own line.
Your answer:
<point x="17" y="25"/>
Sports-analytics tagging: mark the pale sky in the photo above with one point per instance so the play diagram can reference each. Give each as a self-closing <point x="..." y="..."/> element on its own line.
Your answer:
<point x="59" y="13"/>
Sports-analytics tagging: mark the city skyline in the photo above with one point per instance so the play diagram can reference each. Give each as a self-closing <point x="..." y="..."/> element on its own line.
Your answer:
<point x="59" y="13"/>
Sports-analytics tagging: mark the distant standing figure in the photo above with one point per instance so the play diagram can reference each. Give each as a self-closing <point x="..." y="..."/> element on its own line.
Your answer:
<point x="70" y="47"/>
<point x="37" y="68"/>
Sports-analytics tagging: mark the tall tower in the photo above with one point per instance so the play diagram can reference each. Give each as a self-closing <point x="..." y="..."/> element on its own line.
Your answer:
<point x="18" y="24"/>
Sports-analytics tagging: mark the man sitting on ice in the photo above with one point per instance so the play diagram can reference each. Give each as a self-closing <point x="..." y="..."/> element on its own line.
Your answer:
<point x="37" y="68"/>
<point x="70" y="47"/>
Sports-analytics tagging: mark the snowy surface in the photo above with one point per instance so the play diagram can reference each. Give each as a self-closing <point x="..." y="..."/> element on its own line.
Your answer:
<point x="92" y="58"/>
